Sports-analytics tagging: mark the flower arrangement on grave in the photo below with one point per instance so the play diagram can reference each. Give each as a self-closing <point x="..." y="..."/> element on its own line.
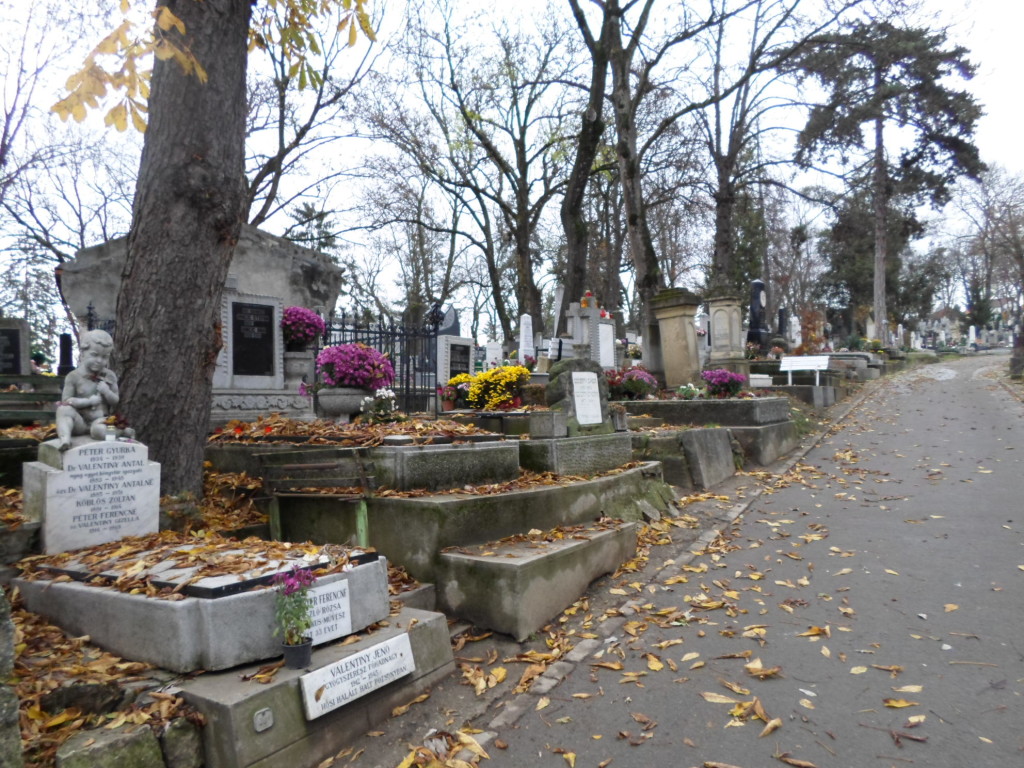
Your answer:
<point x="777" y="352"/>
<point x="354" y="365"/>
<point x="688" y="392"/>
<point x="460" y="383"/>
<point x="300" y="326"/>
<point x="381" y="407"/>
<point x="498" y="389"/>
<point x="635" y="383"/>
<point x="702" y="332"/>
<point x="752" y="350"/>
<point x="292" y="605"/>
<point x="723" y="383"/>
<point x="633" y="350"/>
<point x="529" y="362"/>
<point x="587" y="299"/>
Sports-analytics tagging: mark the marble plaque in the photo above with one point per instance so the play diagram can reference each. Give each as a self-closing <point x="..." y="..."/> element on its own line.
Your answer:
<point x="10" y="351"/>
<point x="252" y="339"/>
<point x="331" y="613"/>
<point x="106" y="491"/>
<point x="333" y="686"/>
<point x="587" y="398"/>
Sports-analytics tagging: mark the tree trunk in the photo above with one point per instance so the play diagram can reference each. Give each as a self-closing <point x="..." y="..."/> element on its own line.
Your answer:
<point x="649" y="279"/>
<point x="574" y="221"/>
<point x="722" y="278"/>
<point x="879" y="194"/>
<point x="189" y="206"/>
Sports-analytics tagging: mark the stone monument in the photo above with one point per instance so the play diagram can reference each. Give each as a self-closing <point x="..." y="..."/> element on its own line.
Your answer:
<point x="676" y="310"/>
<point x="94" y="483"/>
<point x="578" y="388"/>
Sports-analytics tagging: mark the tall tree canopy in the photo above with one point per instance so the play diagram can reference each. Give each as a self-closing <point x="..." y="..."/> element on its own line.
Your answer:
<point x="877" y="74"/>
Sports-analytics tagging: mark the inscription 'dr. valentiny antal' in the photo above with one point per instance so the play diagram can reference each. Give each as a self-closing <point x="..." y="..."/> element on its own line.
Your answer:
<point x="106" y="490"/>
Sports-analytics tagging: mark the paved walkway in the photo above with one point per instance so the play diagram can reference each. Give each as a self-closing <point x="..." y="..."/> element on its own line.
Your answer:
<point x="869" y="606"/>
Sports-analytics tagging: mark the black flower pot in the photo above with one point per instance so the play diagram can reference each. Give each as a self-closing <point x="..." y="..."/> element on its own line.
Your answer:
<point x="298" y="656"/>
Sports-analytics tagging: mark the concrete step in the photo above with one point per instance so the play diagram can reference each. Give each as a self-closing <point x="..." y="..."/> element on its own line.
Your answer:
<point x="253" y="725"/>
<point x="519" y="584"/>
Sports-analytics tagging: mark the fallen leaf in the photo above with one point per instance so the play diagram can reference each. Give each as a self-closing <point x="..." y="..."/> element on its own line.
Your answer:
<point x="950" y="607"/>
<point x="858" y="670"/>
<point x="542" y="704"/>
<point x="770" y="727"/>
<point x="402" y="709"/>
<point x="806" y="703"/>
<point x="899" y="703"/>
<point x="909" y="689"/>
<point x="717" y="698"/>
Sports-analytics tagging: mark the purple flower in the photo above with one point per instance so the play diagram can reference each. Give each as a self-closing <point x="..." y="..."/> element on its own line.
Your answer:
<point x="355" y="365"/>
<point x="300" y="325"/>
<point x="723" y="383"/>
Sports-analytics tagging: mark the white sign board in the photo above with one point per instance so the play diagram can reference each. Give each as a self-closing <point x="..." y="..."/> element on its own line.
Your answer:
<point x="106" y="491"/>
<point x="587" y="397"/>
<point x="332" y="617"/>
<point x="333" y="686"/>
<point x="606" y="351"/>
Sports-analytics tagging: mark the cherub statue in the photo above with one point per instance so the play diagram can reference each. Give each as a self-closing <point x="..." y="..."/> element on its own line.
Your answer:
<point x="90" y="391"/>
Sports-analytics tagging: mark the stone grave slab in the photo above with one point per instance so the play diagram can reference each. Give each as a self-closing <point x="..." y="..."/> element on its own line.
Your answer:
<point x="221" y="622"/>
<point x="94" y="493"/>
<point x="266" y="726"/>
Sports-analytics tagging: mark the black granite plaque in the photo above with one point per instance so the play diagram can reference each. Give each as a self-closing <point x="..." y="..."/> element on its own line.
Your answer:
<point x="252" y="339"/>
<point x="10" y="351"/>
<point x="459" y="359"/>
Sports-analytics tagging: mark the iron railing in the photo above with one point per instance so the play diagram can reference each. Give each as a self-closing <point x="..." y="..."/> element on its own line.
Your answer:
<point x="412" y="350"/>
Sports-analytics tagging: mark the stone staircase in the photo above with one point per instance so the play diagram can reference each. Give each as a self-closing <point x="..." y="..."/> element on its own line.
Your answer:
<point x="29" y="399"/>
<point x="537" y="547"/>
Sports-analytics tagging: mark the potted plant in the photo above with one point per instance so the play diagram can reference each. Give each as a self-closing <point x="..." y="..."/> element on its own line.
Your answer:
<point x="723" y="383"/>
<point x="348" y="373"/>
<point x="292" y="614"/>
<point x="300" y="326"/>
<point x="634" y="383"/>
<point x="447" y="395"/>
<point x="498" y="389"/>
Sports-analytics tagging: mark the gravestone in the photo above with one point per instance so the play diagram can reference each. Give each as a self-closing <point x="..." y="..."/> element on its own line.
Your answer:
<point x="606" y="345"/>
<point x="14" y="347"/>
<point x="526" y="346"/>
<point x="493" y="356"/>
<point x="578" y="388"/>
<point x="454" y="356"/>
<point x="675" y="310"/>
<point x="757" y="332"/>
<point x="726" y="329"/>
<point x="95" y="492"/>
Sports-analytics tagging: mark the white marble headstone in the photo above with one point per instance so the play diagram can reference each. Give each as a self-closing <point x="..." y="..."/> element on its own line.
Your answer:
<point x="526" y="346"/>
<point x="587" y="398"/>
<point x="493" y="353"/>
<point x="107" y="490"/>
<point x="606" y="348"/>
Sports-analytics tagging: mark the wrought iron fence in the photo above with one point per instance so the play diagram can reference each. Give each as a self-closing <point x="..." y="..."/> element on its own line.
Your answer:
<point x="412" y="350"/>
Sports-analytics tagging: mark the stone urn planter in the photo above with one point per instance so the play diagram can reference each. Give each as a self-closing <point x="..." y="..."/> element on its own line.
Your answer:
<point x="341" y="403"/>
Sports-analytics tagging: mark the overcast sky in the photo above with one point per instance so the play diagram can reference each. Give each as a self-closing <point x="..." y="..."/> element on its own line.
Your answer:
<point x="993" y="30"/>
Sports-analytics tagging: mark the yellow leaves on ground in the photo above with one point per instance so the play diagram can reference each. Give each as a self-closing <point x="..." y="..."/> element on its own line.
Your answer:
<point x="483" y="681"/>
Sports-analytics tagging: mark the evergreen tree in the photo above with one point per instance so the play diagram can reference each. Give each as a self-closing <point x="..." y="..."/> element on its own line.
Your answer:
<point x="876" y="75"/>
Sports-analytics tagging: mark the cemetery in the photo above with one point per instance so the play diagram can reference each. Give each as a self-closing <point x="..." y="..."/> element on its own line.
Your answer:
<point x="497" y="509"/>
<point x="520" y="486"/>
